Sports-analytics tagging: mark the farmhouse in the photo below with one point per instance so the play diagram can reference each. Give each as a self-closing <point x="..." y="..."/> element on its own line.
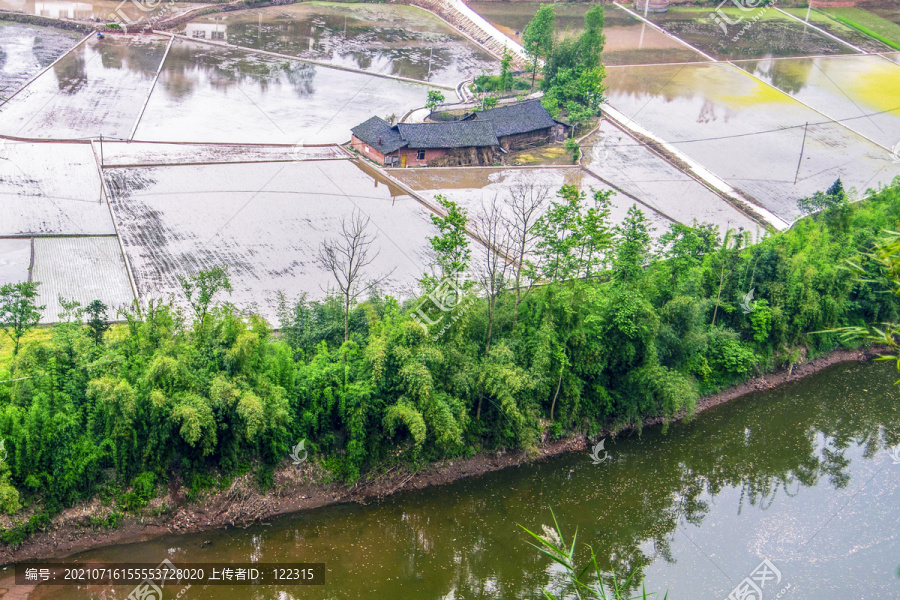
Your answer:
<point x="472" y="140"/>
<point x="522" y="124"/>
<point x="453" y="143"/>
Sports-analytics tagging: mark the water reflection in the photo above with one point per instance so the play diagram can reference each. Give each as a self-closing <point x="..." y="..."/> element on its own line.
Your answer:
<point x="394" y="40"/>
<point x="757" y="477"/>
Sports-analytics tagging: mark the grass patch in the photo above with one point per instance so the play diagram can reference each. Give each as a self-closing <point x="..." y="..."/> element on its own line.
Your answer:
<point x="886" y="32"/>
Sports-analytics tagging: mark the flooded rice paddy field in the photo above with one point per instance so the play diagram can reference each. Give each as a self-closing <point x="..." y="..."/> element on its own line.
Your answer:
<point x="405" y="41"/>
<point x="265" y="222"/>
<point x="119" y="154"/>
<point x="51" y="189"/>
<point x="747" y="132"/>
<point x="824" y="20"/>
<point x="97" y="89"/>
<point x="628" y="40"/>
<point x="473" y="188"/>
<point x="80" y="268"/>
<point x="212" y="93"/>
<point x="26" y="49"/>
<point x="773" y="34"/>
<point x="100" y="11"/>
<point x="15" y="258"/>
<point x="863" y="92"/>
<point x="620" y="159"/>
<point x="801" y="476"/>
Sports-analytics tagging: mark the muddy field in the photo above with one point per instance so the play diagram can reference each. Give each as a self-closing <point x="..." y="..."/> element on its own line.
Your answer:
<point x="26" y="49"/>
<point x="620" y="159"/>
<point x="265" y="222"/>
<point x="80" y="268"/>
<point x="97" y="89"/>
<point x="772" y="34"/>
<point x="51" y="189"/>
<point x="473" y="188"/>
<point x="822" y="20"/>
<point x="209" y="93"/>
<point x="863" y="92"/>
<point x="390" y="39"/>
<point x="748" y="133"/>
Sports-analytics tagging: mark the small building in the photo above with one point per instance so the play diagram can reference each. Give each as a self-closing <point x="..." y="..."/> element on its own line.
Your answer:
<point x="522" y="125"/>
<point x="454" y="143"/>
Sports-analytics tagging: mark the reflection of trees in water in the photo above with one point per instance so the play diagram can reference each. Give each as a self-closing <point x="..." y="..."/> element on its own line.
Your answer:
<point x="631" y="509"/>
<point x="71" y="73"/>
<point x="226" y="69"/>
<point x="790" y="75"/>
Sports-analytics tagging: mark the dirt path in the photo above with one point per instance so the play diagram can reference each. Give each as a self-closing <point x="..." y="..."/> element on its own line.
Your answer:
<point x="296" y="490"/>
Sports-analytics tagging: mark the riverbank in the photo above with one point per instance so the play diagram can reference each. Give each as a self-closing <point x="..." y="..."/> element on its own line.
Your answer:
<point x="296" y="490"/>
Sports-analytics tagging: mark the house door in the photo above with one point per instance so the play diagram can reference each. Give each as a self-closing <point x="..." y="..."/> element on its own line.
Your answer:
<point x="402" y="160"/>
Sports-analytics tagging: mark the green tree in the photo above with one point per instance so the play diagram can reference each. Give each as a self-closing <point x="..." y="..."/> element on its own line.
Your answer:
<point x="537" y="38"/>
<point x="506" y="78"/>
<point x="450" y="246"/>
<point x="97" y="322"/>
<point x="19" y="311"/>
<point x="200" y="289"/>
<point x="632" y="245"/>
<point x="435" y="99"/>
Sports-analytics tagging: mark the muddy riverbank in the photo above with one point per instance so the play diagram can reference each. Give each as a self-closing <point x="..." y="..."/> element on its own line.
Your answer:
<point x="297" y="490"/>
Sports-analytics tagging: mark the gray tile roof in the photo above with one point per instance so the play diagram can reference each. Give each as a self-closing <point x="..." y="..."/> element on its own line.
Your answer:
<point x="521" y="117"/>
<point x="452" y="134"/>
<point x="379" y="134"/>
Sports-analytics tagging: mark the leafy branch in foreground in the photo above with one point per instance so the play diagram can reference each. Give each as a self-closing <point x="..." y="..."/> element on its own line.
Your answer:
<point x="553" y="545"/>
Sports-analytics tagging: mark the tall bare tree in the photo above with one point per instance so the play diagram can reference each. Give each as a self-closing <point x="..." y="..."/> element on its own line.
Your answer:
<point x="489" y="226"/>
<point x="527" y="202"/>
<point x="347" y="257"/>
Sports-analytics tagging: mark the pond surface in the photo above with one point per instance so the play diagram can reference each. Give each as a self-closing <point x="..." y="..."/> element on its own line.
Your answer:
<point x="800" y="476"/>
<point x="26" y="49"/>
<point x="863" y="92"/>
<point x="15" y="258"/>
<point x="389" y="39"/>
<point x="213" y="93"/>
<point x="628" y="40"/>
<point x="748" y="133"/>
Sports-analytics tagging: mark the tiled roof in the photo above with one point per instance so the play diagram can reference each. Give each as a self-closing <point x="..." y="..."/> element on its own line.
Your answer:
<point x="521" y="117"/>
<point x="452" y="134"/>
<point x="379" y="134"/>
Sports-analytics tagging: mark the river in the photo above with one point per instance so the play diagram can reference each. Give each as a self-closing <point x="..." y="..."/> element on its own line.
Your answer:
<point x="802" y="476"/>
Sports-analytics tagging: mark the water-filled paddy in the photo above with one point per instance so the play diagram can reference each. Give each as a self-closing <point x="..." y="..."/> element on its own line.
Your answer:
<point x="390" y="39"/>
<point x="80" y="268"/>
<point x="15" y="258"/>
<point x="51" y="189"/>
<point x="97" y="89"/>
<point x="265" y="222"/>
<point x="120" y="154"/>
<point x="26" y="49"/>
<point x="747" y="132"/>
<point x="474" y="188"/>
<point x="801" y="476"/>
<point x="620" y="159"/>
<point x="737" y="36"/>
<point x="628" y="40"/>
<point x="861" y="91"/>
<point x="209" y="93"/>
<point x="102" y="11"/>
